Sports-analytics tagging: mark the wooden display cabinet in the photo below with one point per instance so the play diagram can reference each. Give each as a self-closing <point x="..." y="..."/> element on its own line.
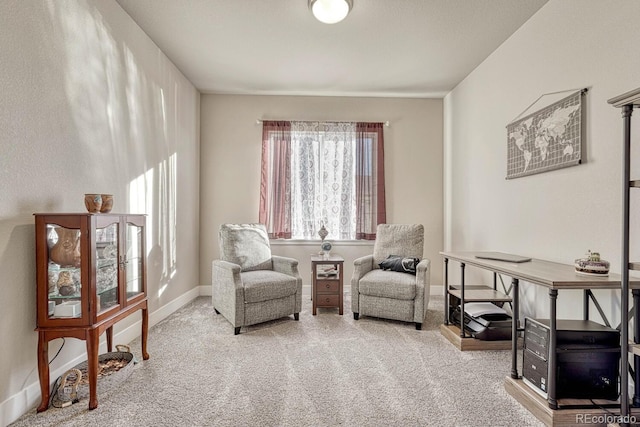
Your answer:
<point x="91" y="273"/>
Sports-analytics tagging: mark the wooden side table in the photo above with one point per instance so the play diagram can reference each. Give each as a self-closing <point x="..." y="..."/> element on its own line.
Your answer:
<point x="326" y="289"/>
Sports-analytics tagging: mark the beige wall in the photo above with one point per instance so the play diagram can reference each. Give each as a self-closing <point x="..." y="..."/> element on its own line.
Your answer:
<point x="230" y="165"/>
<point x="89" y="104"/>
<point x="556" y="215"/>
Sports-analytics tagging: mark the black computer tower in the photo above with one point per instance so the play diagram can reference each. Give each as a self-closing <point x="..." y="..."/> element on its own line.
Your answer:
<point x="587" y="358"/>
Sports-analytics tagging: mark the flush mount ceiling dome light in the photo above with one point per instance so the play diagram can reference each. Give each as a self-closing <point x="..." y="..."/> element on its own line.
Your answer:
<point x="330" y="11"/>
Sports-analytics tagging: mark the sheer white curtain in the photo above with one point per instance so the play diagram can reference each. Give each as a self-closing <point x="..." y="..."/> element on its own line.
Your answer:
<point x="323" y="179"/>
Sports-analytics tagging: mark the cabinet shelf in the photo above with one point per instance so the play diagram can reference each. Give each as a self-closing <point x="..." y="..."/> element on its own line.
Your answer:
<point x="327" y="277"/>
<point x="77" y="295"/>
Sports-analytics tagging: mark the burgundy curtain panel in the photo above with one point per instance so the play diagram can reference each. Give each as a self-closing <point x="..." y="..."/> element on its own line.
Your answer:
<point x="275" y="179"/>
<point x="370" y="192"/>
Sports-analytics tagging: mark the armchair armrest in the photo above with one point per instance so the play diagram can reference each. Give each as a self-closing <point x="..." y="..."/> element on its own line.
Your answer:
<point x="422" y="272"/>
<point x="285" y="265"/>
<point x="289" y="266"/>
<point x="227" y="292"/>
<point x="361" y="266"/>
<point x="227" y="269"/>
<point x="423" y="289"/>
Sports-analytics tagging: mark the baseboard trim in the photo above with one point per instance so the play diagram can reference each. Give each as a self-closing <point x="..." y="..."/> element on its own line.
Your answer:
<point x="204" y="290"/>
<point x="26" y="399"/>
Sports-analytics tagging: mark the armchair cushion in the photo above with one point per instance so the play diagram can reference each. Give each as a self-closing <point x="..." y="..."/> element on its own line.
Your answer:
<point x="400" y="264"/>
<point x="388" y="284"/>
<point x="264" y="285"/>
<point x="246" y="245"/>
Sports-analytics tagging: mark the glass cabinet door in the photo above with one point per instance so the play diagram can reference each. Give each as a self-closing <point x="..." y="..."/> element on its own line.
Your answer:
<point x="64" y="272"/>
<point x="107" y="267"/>
<point x="133" y="262"/>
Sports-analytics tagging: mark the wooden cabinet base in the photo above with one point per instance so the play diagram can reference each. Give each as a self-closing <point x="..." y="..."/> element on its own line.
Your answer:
<point x="91" y="335"/>
<point x="539" y="407"/>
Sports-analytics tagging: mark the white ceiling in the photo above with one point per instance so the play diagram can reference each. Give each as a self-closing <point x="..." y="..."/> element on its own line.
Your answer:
<point x="398" y="48"/>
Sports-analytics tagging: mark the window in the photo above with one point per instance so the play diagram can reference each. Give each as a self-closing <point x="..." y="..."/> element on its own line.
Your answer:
<point x="316" y="173"/>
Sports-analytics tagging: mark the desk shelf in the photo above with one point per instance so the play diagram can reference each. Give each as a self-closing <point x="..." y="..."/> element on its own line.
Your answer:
<point x="452" y="333"/>
<point x="566" y="416"/>
<point x="479" y="293"/>
<point x="456" y="295"/>
<point x="472" y="293"/>
<point x="634" y="349"/>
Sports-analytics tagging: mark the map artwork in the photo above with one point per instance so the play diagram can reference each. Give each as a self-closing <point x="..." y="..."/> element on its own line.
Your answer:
<point x="547" y="139"/>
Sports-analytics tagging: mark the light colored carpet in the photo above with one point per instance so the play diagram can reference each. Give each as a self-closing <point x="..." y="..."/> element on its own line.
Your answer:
<point x="324" y="370"/>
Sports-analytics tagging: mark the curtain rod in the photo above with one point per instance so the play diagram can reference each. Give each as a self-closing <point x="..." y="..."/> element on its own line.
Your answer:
<point x="259" y="121"/>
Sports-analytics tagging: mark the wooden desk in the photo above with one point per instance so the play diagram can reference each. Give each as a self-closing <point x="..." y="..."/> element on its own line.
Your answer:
<point x="551" y="275"/>
<point x="327" y="291"/>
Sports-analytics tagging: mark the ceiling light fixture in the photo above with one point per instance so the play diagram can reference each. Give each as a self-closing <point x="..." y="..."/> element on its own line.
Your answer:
<point x="330" y="11"/>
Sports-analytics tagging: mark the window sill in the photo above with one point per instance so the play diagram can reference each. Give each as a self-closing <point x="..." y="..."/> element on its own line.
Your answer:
<point x="334" y="243"/>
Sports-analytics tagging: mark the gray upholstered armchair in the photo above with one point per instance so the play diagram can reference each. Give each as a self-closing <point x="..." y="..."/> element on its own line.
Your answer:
<point x="249" y="285"/>
<point x="390" y="294"/>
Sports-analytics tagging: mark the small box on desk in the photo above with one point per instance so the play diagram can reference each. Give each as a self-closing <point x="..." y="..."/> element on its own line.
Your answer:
<point x="68" y="309"/>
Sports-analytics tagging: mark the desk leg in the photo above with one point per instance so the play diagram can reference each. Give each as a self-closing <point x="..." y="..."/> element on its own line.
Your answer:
<point x="43" y="370"/>
<point x="551" y="373"/>
<point x="446" y="291"/>
<point x="514" y="327"/>
<point x="93" y="340"/>
<point x="585" y="304"/>
<point x="636" y="340"/>
<point x="145" y="331"/>
<point x="462" y="334"/>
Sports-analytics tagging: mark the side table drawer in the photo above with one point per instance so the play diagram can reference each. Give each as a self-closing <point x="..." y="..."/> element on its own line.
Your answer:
<point x="327" y="286"/>
<point x="327" y="300"/>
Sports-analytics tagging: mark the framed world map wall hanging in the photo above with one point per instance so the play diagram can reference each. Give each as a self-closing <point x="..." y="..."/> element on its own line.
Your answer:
<point x="550" y="138"/>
